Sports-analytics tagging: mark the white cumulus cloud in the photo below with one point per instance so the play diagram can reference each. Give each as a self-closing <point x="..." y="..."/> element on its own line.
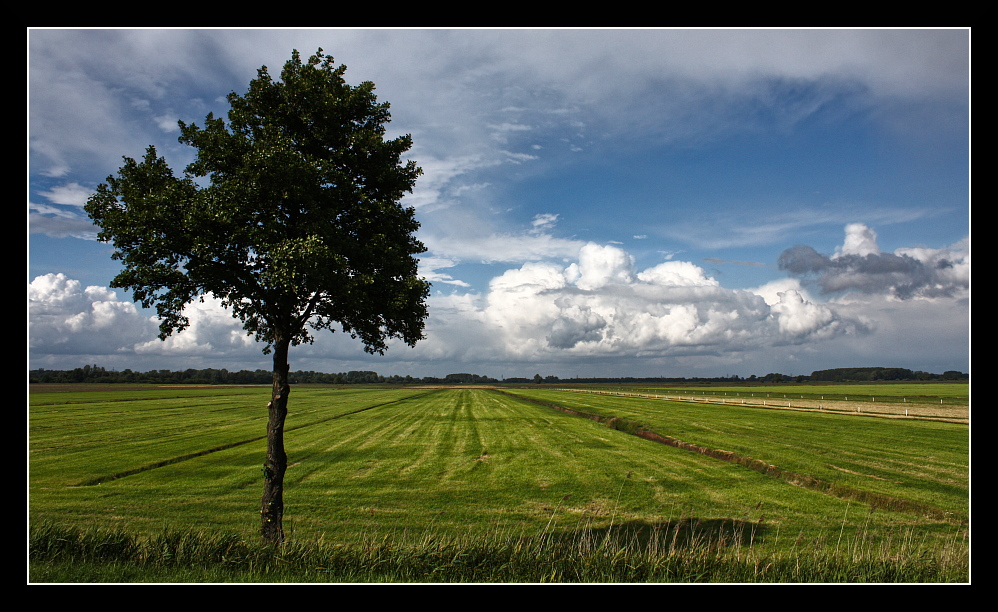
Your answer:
<point x="860" y="240"/>
<point x="600" y="305"/>
<point x="67" y="318"/>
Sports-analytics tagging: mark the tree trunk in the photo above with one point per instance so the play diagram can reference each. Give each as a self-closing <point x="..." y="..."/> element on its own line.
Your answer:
<point x="272" y="505"/>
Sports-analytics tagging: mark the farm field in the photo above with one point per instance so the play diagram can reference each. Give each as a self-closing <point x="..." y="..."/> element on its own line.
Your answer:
<point x="367" y="462"/>
<point x="920" y="465"/>
<point x="935" y="400"/>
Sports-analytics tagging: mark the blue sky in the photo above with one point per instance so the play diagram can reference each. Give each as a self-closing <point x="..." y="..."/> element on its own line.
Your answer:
<point x="643" y="202"/>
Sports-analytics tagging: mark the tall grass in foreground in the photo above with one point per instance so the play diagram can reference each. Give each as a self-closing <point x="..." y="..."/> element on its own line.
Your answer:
<point x="680" y="554"/>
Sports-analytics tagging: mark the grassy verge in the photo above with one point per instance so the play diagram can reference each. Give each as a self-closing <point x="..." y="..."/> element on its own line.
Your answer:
<point x="616" y="556"/>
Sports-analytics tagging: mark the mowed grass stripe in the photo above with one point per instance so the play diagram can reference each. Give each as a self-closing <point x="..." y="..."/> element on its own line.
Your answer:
<point x="84" y="442"/>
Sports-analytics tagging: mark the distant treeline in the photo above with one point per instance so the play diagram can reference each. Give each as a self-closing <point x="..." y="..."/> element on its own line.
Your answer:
<point x="872" y="374"/>
<point x="212" y="376"/>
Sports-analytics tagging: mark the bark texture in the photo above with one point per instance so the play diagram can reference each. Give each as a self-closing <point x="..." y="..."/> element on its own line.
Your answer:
<point x="272" y="504"/>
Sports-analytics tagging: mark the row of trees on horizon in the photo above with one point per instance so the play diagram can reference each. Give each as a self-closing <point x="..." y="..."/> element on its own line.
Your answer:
<point x="212" y="376"/>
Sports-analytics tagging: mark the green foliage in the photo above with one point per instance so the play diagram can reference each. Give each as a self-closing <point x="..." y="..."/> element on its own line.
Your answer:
<point x="872" y="374"/>
<point x="299" y="225"/>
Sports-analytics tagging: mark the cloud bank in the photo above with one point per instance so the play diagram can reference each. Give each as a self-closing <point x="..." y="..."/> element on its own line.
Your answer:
<point x="602" y="306"/>
<point x="595" y="308"/>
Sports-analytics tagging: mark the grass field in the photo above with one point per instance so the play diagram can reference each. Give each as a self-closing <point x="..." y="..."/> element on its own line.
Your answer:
<point x="914" y="464"/>
<point x="417" y="465"/>
<point x="937" y="400"/>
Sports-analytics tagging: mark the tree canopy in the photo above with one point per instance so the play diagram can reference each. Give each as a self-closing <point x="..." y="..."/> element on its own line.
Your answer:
<point x="300" y="226"/>
<point x="290" y="214"/>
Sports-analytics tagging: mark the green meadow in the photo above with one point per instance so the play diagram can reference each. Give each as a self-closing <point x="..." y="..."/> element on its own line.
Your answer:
<point x="465" y="476"/>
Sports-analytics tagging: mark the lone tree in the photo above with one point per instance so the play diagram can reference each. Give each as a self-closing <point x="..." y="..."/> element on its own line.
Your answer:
<point x="298" y="228"/>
